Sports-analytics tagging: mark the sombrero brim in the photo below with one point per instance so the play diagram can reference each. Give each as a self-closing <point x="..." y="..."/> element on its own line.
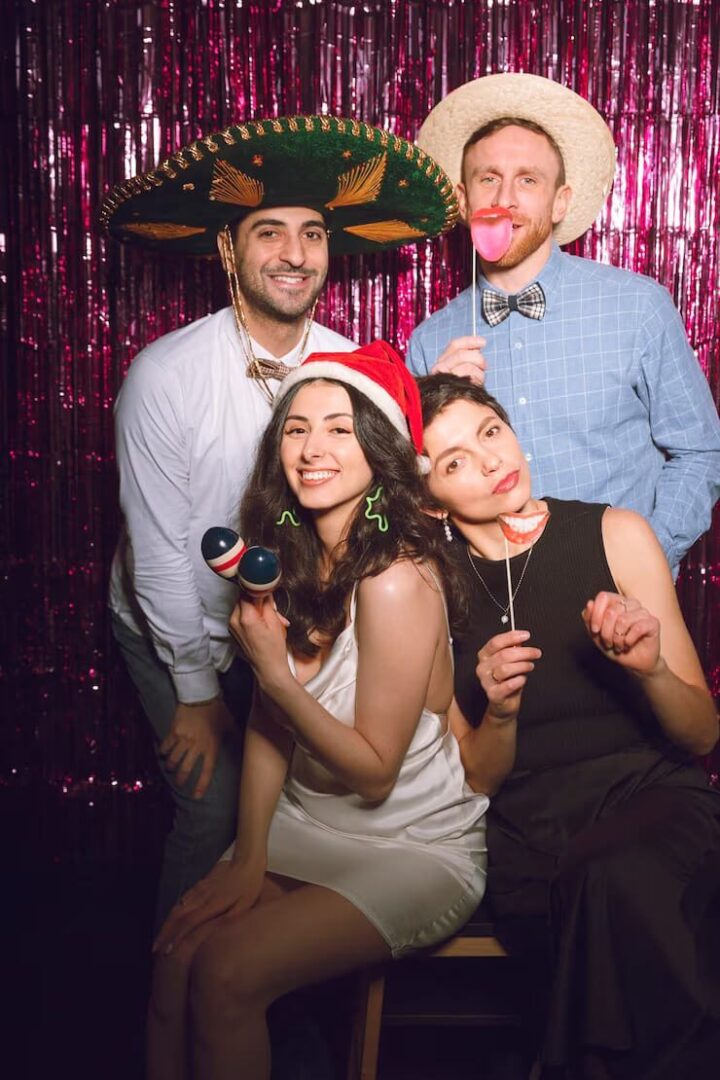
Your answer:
<point x="375" y="190"/>
<point x="584" y="139"/>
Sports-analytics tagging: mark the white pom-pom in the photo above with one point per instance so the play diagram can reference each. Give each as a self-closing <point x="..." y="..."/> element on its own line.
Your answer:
<point x="424" y="464"/>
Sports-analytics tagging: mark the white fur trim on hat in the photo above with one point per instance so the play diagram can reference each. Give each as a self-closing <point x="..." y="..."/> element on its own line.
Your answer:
<point x="585" y="141"/>
<point x="328" y="369"/>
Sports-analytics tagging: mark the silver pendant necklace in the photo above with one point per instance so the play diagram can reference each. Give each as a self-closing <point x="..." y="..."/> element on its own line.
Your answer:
<point x="504" y="611"/>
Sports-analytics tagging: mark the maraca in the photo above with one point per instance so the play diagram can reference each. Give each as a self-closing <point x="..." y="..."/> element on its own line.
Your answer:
<point x="256" y="568"/>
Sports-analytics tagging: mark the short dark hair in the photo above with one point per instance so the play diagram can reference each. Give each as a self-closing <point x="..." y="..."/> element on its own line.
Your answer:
<point x="439" y="391"/>
<point x="516" y="121"/>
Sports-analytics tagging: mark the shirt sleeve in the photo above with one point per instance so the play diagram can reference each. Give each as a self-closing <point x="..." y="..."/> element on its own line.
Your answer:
<point x="416" y="359"/>
<point x="153" y="463"/>
<point x="683" y="424"/>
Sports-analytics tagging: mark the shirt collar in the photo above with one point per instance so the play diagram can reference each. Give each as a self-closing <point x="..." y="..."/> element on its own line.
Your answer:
<point x="548" y="277"/>
<point x="292" y="358"/>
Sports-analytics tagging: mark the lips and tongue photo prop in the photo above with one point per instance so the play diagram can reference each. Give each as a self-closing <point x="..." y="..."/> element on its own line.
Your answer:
<point x="491" y="232"/>
<point x="520" y="529"/>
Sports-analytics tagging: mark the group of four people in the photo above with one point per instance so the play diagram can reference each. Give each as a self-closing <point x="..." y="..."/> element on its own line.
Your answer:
<point x="390" y="698"/>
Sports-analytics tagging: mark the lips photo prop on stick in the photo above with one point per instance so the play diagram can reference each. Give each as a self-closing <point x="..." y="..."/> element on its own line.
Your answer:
<point x="256" y="568"/>
<point x="523" y="528"/>
<point x="520" y="529"/>
<point x="491" y="232"/>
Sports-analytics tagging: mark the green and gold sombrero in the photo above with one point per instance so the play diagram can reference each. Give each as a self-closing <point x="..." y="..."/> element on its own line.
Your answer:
<point x="375" y="190"/>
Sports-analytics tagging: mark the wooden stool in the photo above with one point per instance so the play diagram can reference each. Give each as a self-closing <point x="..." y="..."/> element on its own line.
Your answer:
<point x="475" y="941"/>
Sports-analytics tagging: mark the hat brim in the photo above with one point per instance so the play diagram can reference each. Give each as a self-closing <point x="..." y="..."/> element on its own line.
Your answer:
<point x="374" y="189"/>
<point x="584" y="139"/>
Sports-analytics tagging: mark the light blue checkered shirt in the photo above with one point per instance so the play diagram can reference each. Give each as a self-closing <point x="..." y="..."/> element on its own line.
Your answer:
<point x="604" y="393"/>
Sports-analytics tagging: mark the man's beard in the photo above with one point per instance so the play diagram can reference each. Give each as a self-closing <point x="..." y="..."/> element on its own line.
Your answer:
<point x="533" y="236"/>
<point x="257" y="298"/>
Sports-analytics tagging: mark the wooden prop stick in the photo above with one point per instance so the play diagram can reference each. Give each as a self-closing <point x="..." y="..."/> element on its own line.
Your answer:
<point x="509" y="583"/>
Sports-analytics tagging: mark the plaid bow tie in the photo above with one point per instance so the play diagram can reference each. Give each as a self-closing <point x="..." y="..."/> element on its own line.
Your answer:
<point x="530" y="303"/>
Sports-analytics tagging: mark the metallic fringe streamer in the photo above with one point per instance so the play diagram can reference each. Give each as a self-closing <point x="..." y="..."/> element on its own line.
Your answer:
<point x="95" y="92"/>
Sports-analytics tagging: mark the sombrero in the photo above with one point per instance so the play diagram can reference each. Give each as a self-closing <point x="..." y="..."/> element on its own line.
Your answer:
<point x="375" y="190"/>
<point x="584" y="139"/>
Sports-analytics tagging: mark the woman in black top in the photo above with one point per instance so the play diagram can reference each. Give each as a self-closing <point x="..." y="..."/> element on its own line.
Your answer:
<point x="582" y="724"/>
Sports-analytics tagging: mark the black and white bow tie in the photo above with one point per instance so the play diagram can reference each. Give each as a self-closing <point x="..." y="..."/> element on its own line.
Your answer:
<point x="530" y="303"/>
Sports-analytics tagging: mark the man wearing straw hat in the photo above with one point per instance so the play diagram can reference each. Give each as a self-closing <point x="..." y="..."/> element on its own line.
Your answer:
<point x="592" y="362"/>
<point x="275" y="197"/>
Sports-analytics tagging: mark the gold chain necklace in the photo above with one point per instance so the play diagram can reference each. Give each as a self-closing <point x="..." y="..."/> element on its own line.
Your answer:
<point x="504" y="617"/>
<point x="259" y="368"/>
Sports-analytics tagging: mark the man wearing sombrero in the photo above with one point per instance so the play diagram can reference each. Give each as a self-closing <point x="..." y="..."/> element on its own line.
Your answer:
<point x="275" y="197"/>
<point x="592" y="362"/>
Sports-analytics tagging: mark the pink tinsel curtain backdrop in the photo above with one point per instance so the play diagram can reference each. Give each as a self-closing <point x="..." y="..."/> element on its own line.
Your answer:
<point x="96" y="91"/>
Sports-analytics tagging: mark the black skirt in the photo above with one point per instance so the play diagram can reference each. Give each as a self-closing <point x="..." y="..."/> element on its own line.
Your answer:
<point x="608" y="871"/>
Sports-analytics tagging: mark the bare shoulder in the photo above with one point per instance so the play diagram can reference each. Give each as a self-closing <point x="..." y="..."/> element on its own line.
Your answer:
<point x="621" y="526"/>
<point x="633" y="550"/>
<point x="405" y="582"/>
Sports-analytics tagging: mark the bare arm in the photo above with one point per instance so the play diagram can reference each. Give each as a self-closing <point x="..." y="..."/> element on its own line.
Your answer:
<point x="394" y="673"/>
<point x="268" y="748"/>
<point x="643" y="631"/>
<point x="488" y="751"/>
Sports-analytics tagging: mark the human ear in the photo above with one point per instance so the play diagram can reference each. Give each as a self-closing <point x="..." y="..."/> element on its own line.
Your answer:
<point x="561" y="203"/>
<point x="461" y="194"/>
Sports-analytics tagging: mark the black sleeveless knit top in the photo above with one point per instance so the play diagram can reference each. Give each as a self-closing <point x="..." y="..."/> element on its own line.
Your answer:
<point x="577" y="704"/>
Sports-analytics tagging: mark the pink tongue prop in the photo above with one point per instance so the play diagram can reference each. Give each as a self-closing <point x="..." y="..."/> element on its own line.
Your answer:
<point x="491" y="232"/>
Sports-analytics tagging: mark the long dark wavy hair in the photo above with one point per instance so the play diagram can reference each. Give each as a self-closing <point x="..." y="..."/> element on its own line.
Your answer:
<point x="309" y="603"/>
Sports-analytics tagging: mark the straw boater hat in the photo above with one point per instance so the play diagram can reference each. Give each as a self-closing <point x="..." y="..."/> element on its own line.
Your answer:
<point x="374" y="189"/>
<point x="584" y="139"/>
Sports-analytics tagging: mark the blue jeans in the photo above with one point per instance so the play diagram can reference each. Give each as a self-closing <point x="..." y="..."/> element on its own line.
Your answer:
<point x="202" y="828"/>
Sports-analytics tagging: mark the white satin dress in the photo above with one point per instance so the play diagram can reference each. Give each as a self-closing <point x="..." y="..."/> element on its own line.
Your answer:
<point x="414" y="864"/>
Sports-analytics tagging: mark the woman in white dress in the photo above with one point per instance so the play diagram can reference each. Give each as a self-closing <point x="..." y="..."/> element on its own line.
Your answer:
<point x="358" y="838"/>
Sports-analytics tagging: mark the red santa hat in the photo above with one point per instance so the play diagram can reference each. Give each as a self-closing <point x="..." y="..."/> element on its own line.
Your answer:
<point x="379" y="373"/>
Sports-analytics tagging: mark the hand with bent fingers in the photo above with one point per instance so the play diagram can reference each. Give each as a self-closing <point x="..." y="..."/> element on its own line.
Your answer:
<point x="624" y="631"/>
<point x="504" y="663"/>
<point x="261" y="633"/>
<point x="196" y="731"/>
<point x="230" y="887"/>
<point x="463" y="357"/>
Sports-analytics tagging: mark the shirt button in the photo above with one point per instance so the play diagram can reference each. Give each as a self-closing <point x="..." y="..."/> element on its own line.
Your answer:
<point x="518" y="344"/>
<point x="522" y="401"/>
<point x="528" y="457"/>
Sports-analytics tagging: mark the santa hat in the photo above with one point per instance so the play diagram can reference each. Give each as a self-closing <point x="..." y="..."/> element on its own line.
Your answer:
<point x="380" y="374"/>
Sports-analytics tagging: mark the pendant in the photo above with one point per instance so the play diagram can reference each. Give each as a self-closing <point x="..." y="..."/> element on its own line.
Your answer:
<point x="503" y="618"/>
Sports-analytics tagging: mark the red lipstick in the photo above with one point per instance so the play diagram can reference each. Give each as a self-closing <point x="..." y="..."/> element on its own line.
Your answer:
<point x="506" y="484"/>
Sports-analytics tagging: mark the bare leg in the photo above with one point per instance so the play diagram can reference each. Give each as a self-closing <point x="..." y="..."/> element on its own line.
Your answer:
<point x="168" y="1017"/>
<point x="304" y="936"/>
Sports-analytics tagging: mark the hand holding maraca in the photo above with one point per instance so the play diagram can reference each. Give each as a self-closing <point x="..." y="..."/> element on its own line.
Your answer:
<point x="255" y="623"/>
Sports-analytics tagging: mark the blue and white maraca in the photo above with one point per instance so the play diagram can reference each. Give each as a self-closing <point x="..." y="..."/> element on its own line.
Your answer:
<point x="256" y="568"/>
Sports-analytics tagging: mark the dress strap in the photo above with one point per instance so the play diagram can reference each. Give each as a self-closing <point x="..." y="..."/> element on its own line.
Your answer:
<point x="440" y="589"/>
<point x="353" y="603"/>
